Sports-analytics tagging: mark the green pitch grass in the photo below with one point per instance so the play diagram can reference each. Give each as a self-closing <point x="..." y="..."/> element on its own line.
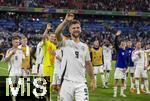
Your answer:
<point x="3" y="69"/>
<point x="100" y="94"/>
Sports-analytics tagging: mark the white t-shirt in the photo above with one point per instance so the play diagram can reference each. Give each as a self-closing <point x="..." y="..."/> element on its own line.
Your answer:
<point x="74" y="57"/>
<point x="107" y="53"/>
<point x="39" y="53"/>
<point x="57" y="67"/>
<point x="15" y="63"/>
<point x="139" y="61"/>
<point x="57" y="63"/>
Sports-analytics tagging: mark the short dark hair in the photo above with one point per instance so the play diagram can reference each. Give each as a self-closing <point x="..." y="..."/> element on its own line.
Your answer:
<point x="74" y="22"/>
<point x="15" y="38"/>
<point x="49" y="33"/>
<point x="138" y="41"/>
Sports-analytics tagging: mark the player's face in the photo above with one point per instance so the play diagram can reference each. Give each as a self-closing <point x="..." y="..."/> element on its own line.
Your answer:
<point x="107" y="43"/>
<point x="24" y="41"/>
<point x="138" y="45"/>
<point x="123" y="44"/>
<point x="52" y="38"/>
<point x="96" y="44"/>
<point x="15" y="43"/>
<point x="75" y="30"/>
<point x="129" y="44"/>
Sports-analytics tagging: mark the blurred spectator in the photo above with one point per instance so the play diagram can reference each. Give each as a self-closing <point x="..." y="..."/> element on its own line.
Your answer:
<point x="105" y="5"/>
<point x="32" y="26"/>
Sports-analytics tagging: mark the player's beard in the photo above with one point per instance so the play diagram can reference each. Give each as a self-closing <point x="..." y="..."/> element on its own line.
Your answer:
<point x="76" y="34"/>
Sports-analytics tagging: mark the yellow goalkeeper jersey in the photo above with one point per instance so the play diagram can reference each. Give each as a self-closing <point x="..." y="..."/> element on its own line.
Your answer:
<point x="49" y="56"/>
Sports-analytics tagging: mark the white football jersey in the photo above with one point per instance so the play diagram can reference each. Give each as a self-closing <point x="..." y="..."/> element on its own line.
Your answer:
<point x="39" y="53"/>
<point x="57" y="63"/>
<point x="148" y="54"/>
<point x="73" y="63"/>
<point x="57" y="67"/>
<point x="139" y="58"/>
<point x="107" y="53"/>
<point x="15" y="63"/>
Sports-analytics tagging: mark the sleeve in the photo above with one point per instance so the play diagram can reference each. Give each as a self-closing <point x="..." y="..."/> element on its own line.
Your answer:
<point x="62" y="43"/>
<point x="7" y="54"/>
<point x="87" y="57"/>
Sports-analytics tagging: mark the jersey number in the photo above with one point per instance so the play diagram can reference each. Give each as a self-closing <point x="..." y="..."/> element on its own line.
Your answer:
<point x="77" y="54"/>
<point x="16" y="58"/>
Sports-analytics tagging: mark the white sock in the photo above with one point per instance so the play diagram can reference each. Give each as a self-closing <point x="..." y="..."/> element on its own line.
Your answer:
<point x="103" y="79"/>
<point x="142" y="86"/>
<point x="125" y="83"/>
<point x="115" y="90"/>
<point x="107" y="77"/>
<point x="131" y="80"/>
<point x="122" y="91"/>
<point x="137" y="85"/>
<point x="146" y="85"/>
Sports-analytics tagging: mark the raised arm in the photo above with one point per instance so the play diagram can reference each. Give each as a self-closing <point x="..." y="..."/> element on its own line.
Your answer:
<point x="116" y="40"/>
<point x="45" y="35"/>
<point x="69" y="17"/>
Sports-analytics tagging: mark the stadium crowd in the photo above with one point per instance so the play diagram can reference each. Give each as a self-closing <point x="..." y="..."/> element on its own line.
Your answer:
<point x="33" y="28"/>
<point x="107" y="5"/>
<point x="39" y="44"/>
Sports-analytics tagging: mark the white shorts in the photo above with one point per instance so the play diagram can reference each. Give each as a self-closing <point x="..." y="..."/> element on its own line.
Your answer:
<point x="98" y="69"/>
<point x="70" y="90"/>
<point x="56" y="79"/>
<point x="140" y="72"/>
<point x="119" y="74"/>
<point x="37" y="69"/>
<point x="131" y="69"/>
<point x="107" y="65"/>
<point x="15" y="72"/>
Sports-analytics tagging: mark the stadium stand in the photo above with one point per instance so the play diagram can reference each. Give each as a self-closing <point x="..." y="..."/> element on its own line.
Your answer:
<point x="111" y="5"/>
<point x="33" y="28"/>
